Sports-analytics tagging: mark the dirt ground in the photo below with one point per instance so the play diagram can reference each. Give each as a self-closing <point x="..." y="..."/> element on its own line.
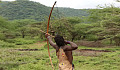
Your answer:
<point x="89" y="52"/>
<point x="90" y="43"/>
<point x="78" y="52"/>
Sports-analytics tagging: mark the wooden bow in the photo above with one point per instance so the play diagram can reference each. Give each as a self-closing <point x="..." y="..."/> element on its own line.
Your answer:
<point x="47" y="32"/>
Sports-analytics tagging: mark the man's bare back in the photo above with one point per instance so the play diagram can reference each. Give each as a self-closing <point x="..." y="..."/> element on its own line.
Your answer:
<point x="67" y="53"/>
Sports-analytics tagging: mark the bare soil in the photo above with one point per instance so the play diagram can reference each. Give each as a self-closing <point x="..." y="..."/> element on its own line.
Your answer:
<point x="89" y="52"/>
<point x="78" y="52"/>
<point x="34" y="47"/>
<point x="90" y="43"/>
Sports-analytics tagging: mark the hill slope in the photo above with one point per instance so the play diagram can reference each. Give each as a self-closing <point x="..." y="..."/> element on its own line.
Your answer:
<point x="33" y="10"/>
<point x="69" y="12"/>
<point x="24" y="9"/>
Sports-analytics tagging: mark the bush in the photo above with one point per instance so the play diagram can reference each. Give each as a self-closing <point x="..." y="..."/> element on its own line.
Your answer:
<point x="10" y="40"/>
<point x="92" y="37"/>
<point x="6" y="44"/>
<point x="2" y="36"/>
<point x="21" y="41"/>
<point x="50" y="47"/>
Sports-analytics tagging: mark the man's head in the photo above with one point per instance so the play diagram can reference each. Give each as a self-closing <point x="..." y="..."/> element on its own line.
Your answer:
<point x="59" y="40"/>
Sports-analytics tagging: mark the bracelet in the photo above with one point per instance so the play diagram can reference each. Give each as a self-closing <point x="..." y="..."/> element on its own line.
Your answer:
<point x="48" y="37"/>
<point x="68" y="42"/>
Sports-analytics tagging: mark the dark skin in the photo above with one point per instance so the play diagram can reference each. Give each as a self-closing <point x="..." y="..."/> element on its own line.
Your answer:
<point x="67" y="49"/>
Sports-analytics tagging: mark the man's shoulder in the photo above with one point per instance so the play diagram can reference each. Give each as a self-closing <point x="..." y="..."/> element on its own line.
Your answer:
<point x="66" y="47"/>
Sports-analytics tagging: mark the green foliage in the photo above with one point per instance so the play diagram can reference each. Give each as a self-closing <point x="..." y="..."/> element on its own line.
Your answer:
<point x="107" y="20"/>
<point x="74" y="20"/>
<point x="35" y="60"/>
<point x="2" y="36"/>
<point x="107" y="42"/>
<point x="25" y="9"/>
<point x="24" y="22"/>
<point x="6" y="44"/>
<point x="59" y="26"/>
<point x="97" y="15"/>
<point x="95" y="30"/>
<point x="103" y="23"/>
<point x="69" y="12"/>
<point x="33" y="31"/>
<point x="22" y="26"/>
<point x="81" y="30"/>
<point x="21" y="41"/>
<point x="50" y="47"/>
<point x="92" y="37"/>
<point x="3" y="23"/>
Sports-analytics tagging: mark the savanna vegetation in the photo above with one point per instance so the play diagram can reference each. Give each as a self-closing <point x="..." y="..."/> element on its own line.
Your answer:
<point x="23" y="46"/>
<point x="25" y="9"/>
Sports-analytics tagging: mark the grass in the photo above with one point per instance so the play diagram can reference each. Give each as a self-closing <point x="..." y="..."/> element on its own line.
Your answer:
<point x="11" y="59"/>
<point x="107" y="61"/>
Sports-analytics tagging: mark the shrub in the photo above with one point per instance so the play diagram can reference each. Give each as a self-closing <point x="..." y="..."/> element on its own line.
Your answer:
<point x="2" y="36"/>
<point x="50" y="47"/>
<point x="6" y="44"/>
<point x="10" y="40"/>
<point x="21" y="41"/>
<point x="92" y="37"/>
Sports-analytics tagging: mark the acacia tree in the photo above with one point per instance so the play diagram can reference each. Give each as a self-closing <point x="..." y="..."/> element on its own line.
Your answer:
<point x="108" y="19"/>
<point x="22" y="26"/>
<point x="3" y="22"/>
<point x="5" y="28"/>
<point x="2" y="25"/>
<point x="66" y="27"/>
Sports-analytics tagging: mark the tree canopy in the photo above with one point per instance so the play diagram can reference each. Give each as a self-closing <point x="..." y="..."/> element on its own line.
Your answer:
<point x="25" y="9"/>
<point x="27" y="19"/>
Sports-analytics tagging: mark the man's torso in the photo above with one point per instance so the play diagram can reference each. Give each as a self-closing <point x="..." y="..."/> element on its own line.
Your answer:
<point x="65" y="58"/>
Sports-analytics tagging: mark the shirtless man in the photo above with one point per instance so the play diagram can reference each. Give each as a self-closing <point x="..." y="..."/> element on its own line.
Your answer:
<point x="63" y="51"/>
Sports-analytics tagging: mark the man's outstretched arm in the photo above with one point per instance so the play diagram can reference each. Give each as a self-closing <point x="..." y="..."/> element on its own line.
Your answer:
<point x="51" y="42"/>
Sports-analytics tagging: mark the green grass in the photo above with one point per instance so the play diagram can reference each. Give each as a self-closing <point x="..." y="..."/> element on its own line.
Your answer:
<point x="39" y="60"/>
<point x="6" y="44"/>
<point x="107" y="61"/>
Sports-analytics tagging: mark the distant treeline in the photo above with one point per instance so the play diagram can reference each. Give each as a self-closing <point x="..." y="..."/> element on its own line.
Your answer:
<point x="25" y="9"/>
<point x="25" y="20"/>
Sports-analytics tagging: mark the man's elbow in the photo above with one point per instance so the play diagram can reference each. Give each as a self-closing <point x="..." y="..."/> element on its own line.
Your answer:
<point x="75" y="47"/>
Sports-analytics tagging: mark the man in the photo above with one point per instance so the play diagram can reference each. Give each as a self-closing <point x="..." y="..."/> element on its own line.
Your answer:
<point x="63" y="51"/>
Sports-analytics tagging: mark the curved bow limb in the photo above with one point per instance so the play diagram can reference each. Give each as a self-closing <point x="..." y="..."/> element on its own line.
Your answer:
<point x="47" y="32"/>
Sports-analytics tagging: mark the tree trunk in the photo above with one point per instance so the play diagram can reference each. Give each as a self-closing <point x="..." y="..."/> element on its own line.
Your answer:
<point x="110" y="41"/>
<point x="23" y="34"/>
<point x="117" y="41"/>
<point x="72" y="39"/>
